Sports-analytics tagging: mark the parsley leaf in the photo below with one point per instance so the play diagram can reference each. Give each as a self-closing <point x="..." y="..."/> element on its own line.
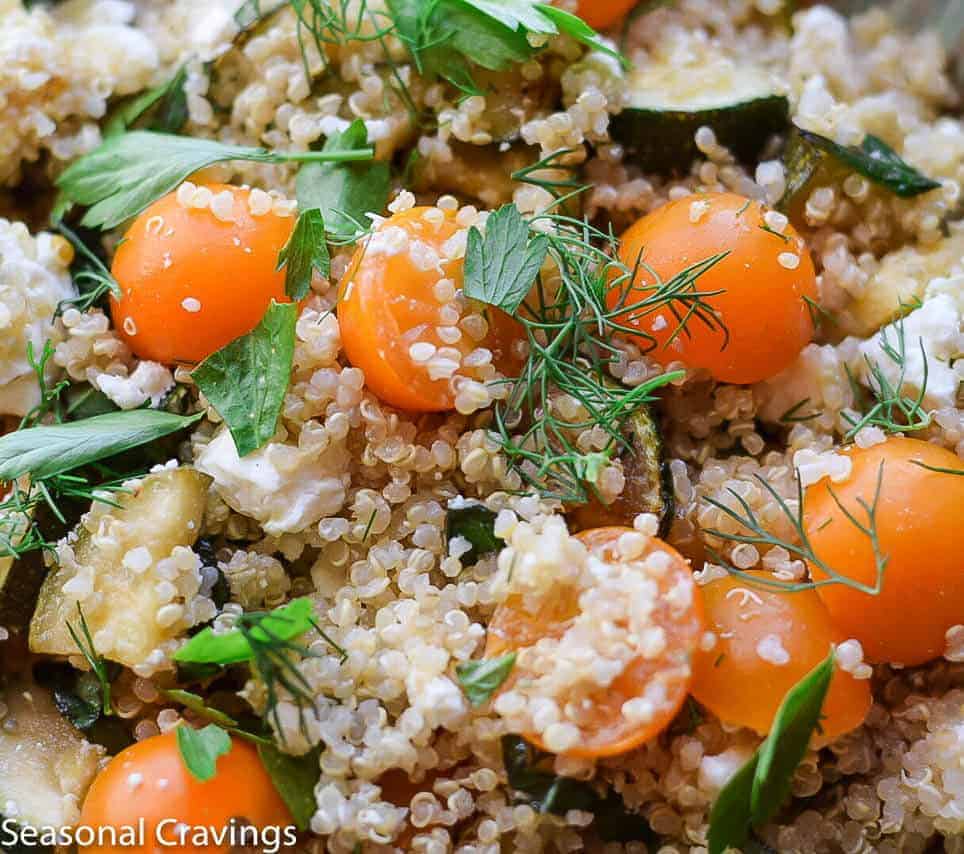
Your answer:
<point x="295" y="778"/>
<point x="481" y="679"/>
<point x="445" y="36"/>
<point x="52" y="449"/>
<point x="126" y="173"/>
<point x="501" y="267"/>
<point x="246" y="380"/>
<point x="163" y="108"/>
<point x="759" y="788"/>
<point x="201" y="748"/>
<point x="305" y="251"/>
<point x="284" y="623"/>
<point x="345" y="193"/>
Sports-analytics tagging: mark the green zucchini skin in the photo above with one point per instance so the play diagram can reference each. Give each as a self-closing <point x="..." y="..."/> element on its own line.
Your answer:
<point x="649" y="482"/>
<point x="663" y="140"/>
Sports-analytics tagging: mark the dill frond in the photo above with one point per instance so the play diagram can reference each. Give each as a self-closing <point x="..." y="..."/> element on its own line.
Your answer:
<point x="50" y="403"/>
<point x="802" y="548"/>
<point x="890" y="409"/>
<point x="98" y="664"/>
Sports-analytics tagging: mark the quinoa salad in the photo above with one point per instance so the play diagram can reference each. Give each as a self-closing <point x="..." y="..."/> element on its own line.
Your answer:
<point x="481" y="425"/>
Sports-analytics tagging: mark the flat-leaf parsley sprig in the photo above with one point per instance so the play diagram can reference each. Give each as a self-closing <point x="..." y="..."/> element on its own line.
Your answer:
<point x="126" y="173"/>
<point x="802" y="547"/>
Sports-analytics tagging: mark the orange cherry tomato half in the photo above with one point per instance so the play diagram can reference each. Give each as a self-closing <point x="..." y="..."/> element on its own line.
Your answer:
<point x="191" y="282"/>
<point x="757" y="290"/>
<point x="397" y="293"/>
<point x="920" y="532"/>
<point x="149" y="781"/>
<point x="601" y="14"/>
<point x="606" y="731"/>
<point x="766" y="642"/>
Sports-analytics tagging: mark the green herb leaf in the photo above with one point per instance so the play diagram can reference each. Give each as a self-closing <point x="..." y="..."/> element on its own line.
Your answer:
<point x="445" y="36"/>
<point x="542" y="789"/>
<point x="127" y="172"/>
<point x="52" y="449"/>
<point x="246" y="380"/>
<point x="201" y="748"/>
<point x="305" y="251"/>
<point x="501" y="267"/>
<point x="345" y="193"/>
<point x="731" y="816"/>
<point x="196" y="704"/>
<point x="481" y="679"/>
<point x="575" y="27"/>
<point x="287" y="622"/>
<point x="755" y="793"/>
<point x="476" y="523"/>
<point x="164" y="108"/>
<point x="780" y="754"/>
<point x="295" y="778"/>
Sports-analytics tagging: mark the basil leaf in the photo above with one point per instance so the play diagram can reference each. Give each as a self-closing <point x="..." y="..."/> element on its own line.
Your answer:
<point x="57" y="448"/>
<point x="295" y="778"/>
<point x="305" y="251"/>
<point x="122" y="176"/>
<point x="481" y="679"/>
<point x="873" y="159"/>
<point x="165" y="105"/>
<point x="284" y="623"/>
<point x="476" y="523"/>
<point x="196" y="704"/>
<point x="246" y="380"/>
<point x="201" y="748"/>
<point x="501" y="267"/>
<point x="85" y="401"/>
<point x="345" y="193"/>
<point x="781" y="752"/>
<point x="615" y="823"/>
<point x="731" y="816"/>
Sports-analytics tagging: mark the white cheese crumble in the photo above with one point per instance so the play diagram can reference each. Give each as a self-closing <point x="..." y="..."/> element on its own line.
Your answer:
<point x="283" y="487"/>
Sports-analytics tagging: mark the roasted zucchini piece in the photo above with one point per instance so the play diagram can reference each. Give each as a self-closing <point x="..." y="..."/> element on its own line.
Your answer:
<point x="649" y="484"/>
<point x="669" y="102"/>
<point x="109" y="570"/>
<point x="811" y="160"/>
<point x="46" y="766"/>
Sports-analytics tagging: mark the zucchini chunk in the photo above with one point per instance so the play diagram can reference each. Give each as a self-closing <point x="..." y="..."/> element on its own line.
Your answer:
<point x="46" y="766"/>
<point x="811" y="160"/>
<point x="107" y="572"/>
<point x="649" y="483"/>
<point x="669" y="102"/>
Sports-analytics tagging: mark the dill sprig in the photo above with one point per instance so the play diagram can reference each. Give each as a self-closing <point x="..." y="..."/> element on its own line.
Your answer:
<point x="276" y="659"/>
<point x="569" y="320"/>
<point x="50" y="403"/>
<point x="802" y="548"/>
<point x="891" y="410"/>
<point x="98" y="664"/>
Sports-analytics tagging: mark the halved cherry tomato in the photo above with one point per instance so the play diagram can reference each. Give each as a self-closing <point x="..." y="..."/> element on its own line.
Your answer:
<point x="190" y="282"/>
<point x="766" y="642"/>
<point x="150" y="781"/>
<point x="920" y="532"/>
<point x="391" y="299"/>
<point x="606" y="731"/>
<point x="758" y="290"/>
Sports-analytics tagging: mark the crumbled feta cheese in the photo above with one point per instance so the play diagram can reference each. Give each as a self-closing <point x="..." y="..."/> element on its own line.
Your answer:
<point x="150" y="381"/>
<point x="283" y="487"/>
